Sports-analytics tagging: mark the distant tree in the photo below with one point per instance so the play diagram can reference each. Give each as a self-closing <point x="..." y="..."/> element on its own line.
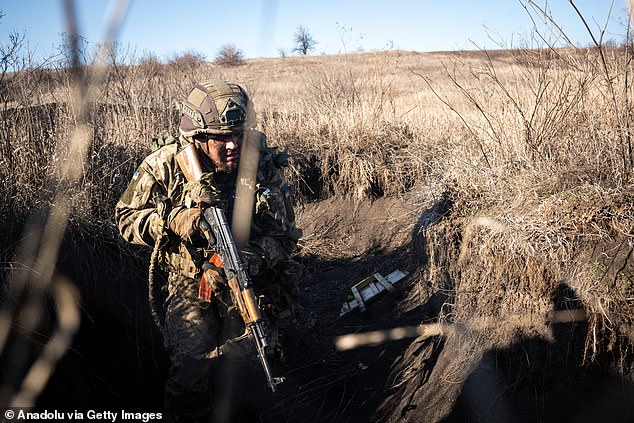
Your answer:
<point x="114" y="53"/>
<point x="150" y="64"/>
<point x="12" y="63"/>
<point x="282" y="52"/>
<point x="229" y="55"/>
<point x="304" y="41"/>
<point x="73" y="50"/>
<point x="189" y="60"/>
<point x="149" y="59"/>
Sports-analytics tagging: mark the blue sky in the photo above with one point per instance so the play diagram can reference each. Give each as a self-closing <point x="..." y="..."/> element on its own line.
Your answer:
<point x="260" y="27"/>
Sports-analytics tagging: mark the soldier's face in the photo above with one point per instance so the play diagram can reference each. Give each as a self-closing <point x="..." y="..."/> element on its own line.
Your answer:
<point x="223" y="150"/>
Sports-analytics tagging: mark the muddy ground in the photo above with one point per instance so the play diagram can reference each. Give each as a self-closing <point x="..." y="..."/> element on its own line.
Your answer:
<point x="530" y="373"/>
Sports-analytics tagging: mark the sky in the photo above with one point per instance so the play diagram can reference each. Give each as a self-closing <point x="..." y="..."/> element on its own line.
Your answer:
<point x="260" y="28"/>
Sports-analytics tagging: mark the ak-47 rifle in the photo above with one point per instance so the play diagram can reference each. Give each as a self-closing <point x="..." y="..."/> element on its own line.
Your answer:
<point x="215" y="223"/>
<point x="241" y="286"/>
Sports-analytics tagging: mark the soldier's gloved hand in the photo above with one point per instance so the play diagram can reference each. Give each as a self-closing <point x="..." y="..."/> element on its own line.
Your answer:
<point x="203" y="195"/>
<point x="186" y="224"/>
<point x="213" y="277"/>
<point x="253" y="260"/>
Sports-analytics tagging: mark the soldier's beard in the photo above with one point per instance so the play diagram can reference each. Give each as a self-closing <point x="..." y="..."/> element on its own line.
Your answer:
<point x="227" y="167"/>
<point x="221" y="162"/>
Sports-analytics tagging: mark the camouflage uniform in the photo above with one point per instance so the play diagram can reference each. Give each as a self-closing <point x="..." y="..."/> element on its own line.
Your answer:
<point x="193" y="328"/>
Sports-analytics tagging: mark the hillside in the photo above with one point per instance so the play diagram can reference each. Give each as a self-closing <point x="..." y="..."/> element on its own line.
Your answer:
<point x="500" y="181"/>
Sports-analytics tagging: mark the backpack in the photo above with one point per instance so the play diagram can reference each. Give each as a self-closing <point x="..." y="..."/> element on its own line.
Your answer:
<point x="162" y="140"/>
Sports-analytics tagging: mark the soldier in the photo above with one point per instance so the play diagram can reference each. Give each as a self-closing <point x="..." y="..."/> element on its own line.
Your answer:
<point x="161" y="208"/>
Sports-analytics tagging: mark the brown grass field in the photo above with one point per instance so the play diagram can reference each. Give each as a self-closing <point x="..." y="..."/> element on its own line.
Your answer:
<point x="502" y="180"/>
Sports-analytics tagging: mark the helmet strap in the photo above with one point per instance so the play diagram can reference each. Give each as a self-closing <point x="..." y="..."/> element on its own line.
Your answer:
<point x="203" y="155"/>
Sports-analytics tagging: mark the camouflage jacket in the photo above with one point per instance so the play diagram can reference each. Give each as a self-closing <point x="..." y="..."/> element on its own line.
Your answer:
<point x="274" y="234"/>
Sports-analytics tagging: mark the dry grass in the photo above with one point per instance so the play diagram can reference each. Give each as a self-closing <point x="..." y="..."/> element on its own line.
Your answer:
<point x="534" y="145"/>
<point x="545" y="174"/>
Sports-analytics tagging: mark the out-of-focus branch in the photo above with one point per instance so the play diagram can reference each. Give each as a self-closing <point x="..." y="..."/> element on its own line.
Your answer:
<point x="373" y="338"/>
<point x="66" y="299"/>
<point x="39" y="251"/>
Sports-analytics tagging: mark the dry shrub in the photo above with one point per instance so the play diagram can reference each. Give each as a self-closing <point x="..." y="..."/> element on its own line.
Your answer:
<point x="37" y="120"/>
<point x="229" y="55"/>
<point x="543" y="174"/>
<point x="344" y="128"/>
<point x="531" y="123"/>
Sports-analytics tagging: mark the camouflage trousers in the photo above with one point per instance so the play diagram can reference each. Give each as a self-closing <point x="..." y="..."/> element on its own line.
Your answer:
<point x="192" y="331"/>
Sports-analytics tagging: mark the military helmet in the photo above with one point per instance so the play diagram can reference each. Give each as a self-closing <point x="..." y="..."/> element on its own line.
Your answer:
<point x="215" y="107"/>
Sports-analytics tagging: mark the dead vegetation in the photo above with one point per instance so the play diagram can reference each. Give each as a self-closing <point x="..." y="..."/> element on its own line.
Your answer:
<point x="531" y="147"/>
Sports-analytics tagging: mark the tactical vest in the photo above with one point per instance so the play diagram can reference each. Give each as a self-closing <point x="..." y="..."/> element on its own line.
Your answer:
<point x="179" y="257"/>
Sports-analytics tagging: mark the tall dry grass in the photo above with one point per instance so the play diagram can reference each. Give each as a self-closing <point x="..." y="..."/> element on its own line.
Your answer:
<point x="542" y="178"/>
<point x="536" y="141"/>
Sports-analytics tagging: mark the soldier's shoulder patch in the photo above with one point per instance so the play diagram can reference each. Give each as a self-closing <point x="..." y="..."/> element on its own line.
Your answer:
<point x="130" y="191"/>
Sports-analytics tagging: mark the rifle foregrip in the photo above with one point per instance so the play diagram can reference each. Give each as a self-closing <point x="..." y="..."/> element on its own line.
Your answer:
<point x="251" y="305"/>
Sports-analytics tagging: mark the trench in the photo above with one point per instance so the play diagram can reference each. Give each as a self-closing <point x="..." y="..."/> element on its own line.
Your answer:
<point x="117" y="360"/>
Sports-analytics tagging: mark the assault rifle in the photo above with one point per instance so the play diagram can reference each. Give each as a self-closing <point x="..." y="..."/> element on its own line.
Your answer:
<point x="241" y="286"/>
<point x="215" y="222"/>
